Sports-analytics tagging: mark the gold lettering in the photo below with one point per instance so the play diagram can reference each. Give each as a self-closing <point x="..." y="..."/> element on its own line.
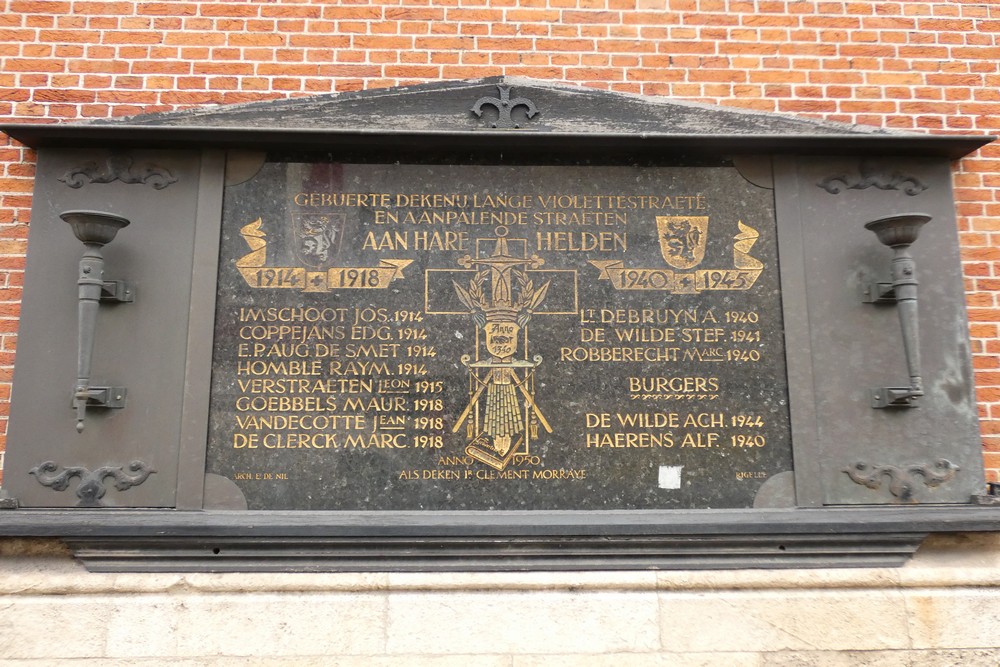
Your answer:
<point x="619" y="354"/>
<point x="581" y="241"/>
<point x="672" y="385"/>
<point x="630" y="440"/>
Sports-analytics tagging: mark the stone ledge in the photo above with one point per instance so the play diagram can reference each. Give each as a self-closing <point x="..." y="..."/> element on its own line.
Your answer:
<point x="44" y="567"/>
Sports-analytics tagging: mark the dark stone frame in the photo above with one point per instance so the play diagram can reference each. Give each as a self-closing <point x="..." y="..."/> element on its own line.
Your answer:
<point x="190" y="539"/>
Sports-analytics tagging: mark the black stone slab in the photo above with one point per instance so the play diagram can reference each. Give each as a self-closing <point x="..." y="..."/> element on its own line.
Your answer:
<point x="428" y="337"/>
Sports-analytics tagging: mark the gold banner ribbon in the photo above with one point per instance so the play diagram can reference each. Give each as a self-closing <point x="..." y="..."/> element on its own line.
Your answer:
<point x="745" y="272"/>
<point x="256" y="275"/>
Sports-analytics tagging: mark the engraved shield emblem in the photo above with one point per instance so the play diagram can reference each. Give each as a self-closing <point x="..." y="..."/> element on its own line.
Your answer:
<point x="317" y="237"/>
<point x="501" y="338"/>
<point x="682" y="239"/>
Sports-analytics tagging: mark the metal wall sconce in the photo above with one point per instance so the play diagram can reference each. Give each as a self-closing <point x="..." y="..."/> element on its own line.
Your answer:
<point x="95" y="229"/>
<point x="899" y="232"/>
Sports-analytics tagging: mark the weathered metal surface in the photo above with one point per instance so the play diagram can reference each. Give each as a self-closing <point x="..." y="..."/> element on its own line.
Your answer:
<point x="91" y="488"/>
<point x="840" y="347"/>
<point x="872" y="174"/>
<point x="505" y="107"/>
<point x="95" y="230"/>
<point x="498" y="554"/>
<point x="444" y="106"/>
<point x="425" y="140"/>
<point x="118" y="167"/>
<point x="899" y="232"/>
<point x="425" y="120"/>
<point x="496" y="540"/>
<point x="902" y="480"/>
<point x="140" y="345"/>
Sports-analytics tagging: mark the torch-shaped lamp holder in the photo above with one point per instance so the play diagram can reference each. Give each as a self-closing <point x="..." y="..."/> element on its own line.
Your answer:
<point x="95" y="230"/>
<point x="899" y="232"/>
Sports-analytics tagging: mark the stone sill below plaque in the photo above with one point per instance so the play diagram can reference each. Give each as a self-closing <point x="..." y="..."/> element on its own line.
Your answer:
<point x="42" y="567"/>
<point x="174" y="541"/>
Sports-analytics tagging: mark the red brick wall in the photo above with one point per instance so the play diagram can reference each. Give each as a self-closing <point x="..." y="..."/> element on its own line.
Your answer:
<point x="908" y="64"/>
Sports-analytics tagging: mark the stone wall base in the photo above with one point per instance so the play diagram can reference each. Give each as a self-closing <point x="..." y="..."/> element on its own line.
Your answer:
<point x="940" y="609"/>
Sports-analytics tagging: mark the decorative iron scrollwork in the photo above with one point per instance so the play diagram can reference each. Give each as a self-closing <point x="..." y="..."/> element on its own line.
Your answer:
<point x="872" y="175"/>
<point x="505" y="105"/>
<point x="118" y="167"/>
<point x="902" y="480"/>
<point x="91" y="488"/>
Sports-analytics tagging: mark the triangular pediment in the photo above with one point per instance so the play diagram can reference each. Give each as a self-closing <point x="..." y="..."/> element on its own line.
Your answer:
<point x="517" y="117"/>
<point x="479" y="105"/>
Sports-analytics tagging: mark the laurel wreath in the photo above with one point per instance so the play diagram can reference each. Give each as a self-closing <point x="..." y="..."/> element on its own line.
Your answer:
<point x="528" y="298"/>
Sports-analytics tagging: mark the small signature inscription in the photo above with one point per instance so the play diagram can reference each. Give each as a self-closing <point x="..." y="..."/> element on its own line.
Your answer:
<point x="260" y="476"/>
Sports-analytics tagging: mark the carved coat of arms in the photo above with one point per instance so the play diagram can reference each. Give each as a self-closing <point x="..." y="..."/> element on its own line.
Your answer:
<point x="317" y="237"/>
<point x="682" y="239"/>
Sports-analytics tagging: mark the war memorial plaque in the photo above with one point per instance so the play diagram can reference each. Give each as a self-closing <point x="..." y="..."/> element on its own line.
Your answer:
<point x="491" y="325"/>
<point x="496" y="337"/>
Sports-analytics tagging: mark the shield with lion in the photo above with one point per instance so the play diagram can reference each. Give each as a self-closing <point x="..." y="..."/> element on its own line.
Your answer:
<point x="682" y="239"/>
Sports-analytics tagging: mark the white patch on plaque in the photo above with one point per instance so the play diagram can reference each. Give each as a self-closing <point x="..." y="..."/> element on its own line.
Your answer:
<point x="670" y="477"/>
